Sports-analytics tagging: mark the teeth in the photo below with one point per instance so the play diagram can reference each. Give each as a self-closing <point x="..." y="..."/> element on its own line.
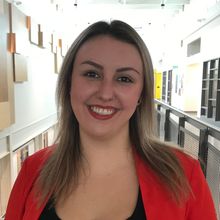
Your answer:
<point x="101" y="111"/>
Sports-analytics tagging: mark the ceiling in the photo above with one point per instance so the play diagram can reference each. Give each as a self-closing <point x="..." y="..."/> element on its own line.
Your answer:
<point x="155" y="20"/>
<point x="150" y="8"/>
<point x="144" y="4"/>
<point x="136" y="12"/>
<point x="147" y="4"/>
<point x="170" y="7"/>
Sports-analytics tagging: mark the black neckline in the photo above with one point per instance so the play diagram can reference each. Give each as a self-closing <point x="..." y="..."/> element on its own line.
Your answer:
<point x="49" y="211"/>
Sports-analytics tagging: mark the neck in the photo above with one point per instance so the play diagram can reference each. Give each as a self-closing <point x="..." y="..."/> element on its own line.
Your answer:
<point x="103" y="155"/>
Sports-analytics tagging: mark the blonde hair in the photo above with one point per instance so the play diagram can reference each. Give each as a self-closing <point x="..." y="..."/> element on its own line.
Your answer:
<point x="60" y="172"/>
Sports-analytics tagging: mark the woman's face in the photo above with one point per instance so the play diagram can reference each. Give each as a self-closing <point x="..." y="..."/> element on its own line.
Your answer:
<point x="107" y="81"/>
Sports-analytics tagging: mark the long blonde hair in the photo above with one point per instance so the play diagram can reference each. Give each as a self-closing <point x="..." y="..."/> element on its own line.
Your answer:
<point x="61" y="169"/>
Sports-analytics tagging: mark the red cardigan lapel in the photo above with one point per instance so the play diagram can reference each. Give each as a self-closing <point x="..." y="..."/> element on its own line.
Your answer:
<point x="156" y="199"/>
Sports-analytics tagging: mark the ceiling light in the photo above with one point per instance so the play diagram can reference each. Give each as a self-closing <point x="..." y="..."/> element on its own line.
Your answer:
<point x="17" y="2"/>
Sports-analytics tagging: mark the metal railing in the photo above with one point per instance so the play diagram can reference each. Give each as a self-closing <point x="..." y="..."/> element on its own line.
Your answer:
<point x="195" y="136"/>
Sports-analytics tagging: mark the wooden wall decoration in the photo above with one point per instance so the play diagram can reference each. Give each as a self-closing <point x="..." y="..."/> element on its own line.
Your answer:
<point x="5" y="183"/>
<point x="65" y="47"/>
<point x="59" y="47"/>
<point x="56" y="49"/>
<point x="45" y="139"/>
<point x="58" y="59"/>
<point x="33" y="29"/>
<point x="57" y="62"/>
<point x="54" y="42"/>
<point x="44" y="36"/>
<point x="1" y="7"/>
<point x="19" y="43"/>
<point x="23" y="152"/>
<point x="18" y="23"/>
<point x="6" y="69"/>
<point x="39" y="34"/>
<point x="20" y="65"/>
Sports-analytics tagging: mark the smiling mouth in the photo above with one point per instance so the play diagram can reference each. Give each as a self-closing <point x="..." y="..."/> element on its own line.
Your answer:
<point x="102" y="111"/>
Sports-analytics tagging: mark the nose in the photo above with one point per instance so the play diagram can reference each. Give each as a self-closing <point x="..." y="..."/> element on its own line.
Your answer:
<point x="106" y="90"/>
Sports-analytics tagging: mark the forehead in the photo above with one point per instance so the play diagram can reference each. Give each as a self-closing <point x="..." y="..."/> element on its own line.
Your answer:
<point x="102" y="48"/>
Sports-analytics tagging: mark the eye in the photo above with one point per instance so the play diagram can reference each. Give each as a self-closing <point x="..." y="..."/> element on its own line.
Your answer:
<point x="91" y="74"/>
<point x="125" y="79"/>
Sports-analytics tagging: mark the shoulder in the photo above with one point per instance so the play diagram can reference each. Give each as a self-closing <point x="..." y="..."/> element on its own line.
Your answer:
<point x="188" y="163"/>
<point x="31" y="168"/>
<point x="25" y="180"/>
<point x="200" y="204"/>
<point x="35" y="162"/>
<point x="41" y="155"/>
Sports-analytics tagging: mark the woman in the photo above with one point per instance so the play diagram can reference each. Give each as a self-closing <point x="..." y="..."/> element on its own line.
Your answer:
<point x="107" y="163"/>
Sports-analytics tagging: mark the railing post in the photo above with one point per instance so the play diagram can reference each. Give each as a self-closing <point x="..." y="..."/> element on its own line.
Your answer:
<point x="158" y="119"/>
<point x="167" y="125"/>
<point x="203" y="148"/>
<point x="181" y="135"/>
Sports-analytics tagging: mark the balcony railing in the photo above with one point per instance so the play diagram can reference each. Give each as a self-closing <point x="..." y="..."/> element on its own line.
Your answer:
<point x="198" y="138"/>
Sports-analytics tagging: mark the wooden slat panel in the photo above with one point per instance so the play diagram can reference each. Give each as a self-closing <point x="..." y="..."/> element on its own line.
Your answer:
<point x="3" y="69"/>
<point x="6" y="69"/>
<point x="5" y="119"/>
<point x="5" y="183"/>
<point x="1" y="7"/>
<point x="20" y="68"/>
<point x="3" y="59"/>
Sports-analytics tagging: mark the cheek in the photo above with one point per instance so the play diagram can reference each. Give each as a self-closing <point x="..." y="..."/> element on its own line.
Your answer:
<point x="80" y="93"/>
<point x="131" y="99"/>
<point x="75" y="95"/>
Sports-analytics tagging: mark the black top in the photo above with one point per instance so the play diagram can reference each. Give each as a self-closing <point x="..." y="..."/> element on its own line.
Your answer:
<point x="49" y="212"/>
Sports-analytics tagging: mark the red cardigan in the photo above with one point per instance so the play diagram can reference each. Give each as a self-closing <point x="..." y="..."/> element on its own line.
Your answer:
<point x="157" y="202"/>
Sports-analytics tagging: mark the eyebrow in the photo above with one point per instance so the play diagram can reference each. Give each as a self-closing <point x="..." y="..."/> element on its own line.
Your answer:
<point x="93" y="64"/>
<point x="122" y="69"/>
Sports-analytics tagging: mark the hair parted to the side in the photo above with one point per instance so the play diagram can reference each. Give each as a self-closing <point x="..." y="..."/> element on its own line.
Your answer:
<point x="60" y="173"/>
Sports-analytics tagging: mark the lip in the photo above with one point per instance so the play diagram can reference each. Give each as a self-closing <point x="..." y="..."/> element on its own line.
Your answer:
<point x="102" y="112"/>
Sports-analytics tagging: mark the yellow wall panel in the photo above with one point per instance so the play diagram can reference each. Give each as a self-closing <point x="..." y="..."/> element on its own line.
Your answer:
<point x="157" y="85"/>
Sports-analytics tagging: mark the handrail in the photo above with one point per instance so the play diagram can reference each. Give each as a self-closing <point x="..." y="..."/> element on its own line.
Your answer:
<point x="207" y="150"/>
<point x="213" y="130"/>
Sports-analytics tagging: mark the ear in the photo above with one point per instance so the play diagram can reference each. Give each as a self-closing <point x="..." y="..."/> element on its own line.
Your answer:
<point x="139" y="101"/>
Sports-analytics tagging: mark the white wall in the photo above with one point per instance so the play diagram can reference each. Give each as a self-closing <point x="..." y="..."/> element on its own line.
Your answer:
<point x="35" y="109"/>
<point x="210" y="49"/>
<point x="192" y="87"/>
<point x="190" y="68"/>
